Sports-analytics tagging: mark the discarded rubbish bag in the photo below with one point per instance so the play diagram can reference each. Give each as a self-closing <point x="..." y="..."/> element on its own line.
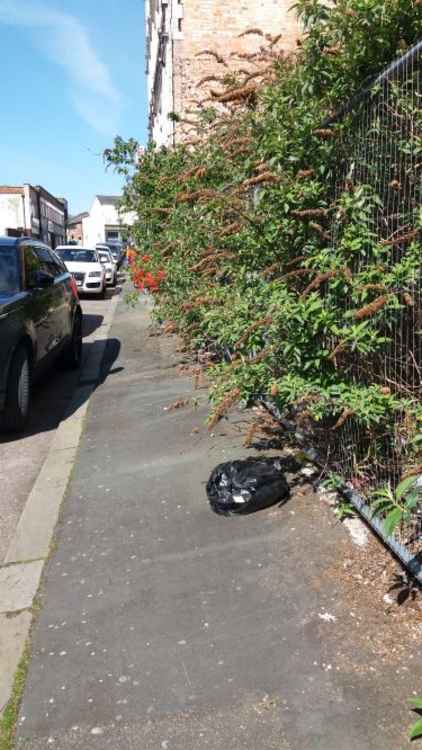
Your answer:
<point x="246" y="486"/>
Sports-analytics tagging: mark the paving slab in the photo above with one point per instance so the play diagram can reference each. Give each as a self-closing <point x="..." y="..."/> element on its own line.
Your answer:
<point x="165" y="626"/>
<point x="18" y="585"/>
<point x="36" y="525"/>
<point x="14" y="632"/>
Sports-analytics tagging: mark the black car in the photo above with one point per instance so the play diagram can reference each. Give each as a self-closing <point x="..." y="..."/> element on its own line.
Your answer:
<point x="40" y="321"/>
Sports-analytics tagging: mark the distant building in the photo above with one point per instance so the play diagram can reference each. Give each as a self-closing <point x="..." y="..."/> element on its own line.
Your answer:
<point x="75" y="228"/>
<point x="105" y="223"/>
<point x="28" y="210"/>
<point x="181" y="33"/>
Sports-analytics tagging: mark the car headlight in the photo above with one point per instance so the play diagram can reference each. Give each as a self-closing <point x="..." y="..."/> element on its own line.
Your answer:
<point x="95" y="274"/>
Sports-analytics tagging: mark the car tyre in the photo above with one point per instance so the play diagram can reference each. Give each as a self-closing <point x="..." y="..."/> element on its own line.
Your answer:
<point x="18" y="395"/>
<point x="72" y="355"/>
<point x="114" y="282"/>
<point x="103" y="291"/>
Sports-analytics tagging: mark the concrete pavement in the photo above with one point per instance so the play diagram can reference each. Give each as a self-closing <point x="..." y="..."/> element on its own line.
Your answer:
<point x="22" y="456"/>
<point x="29" y="544"/>
<point x="165" y="626"/>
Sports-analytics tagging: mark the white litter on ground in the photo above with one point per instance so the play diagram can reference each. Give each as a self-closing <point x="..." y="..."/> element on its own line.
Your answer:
<point x="329" y="497"/>
<point x="308" y="471"/>
<point x="388" y="599"/>
<point x="357" y="530"/>
<point x="327" y="617"/>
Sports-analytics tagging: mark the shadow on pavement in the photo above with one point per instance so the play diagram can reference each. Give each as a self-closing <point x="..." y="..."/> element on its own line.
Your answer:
<point x="109" y="292"/>
<point x="91" y="323"/>
<point x="111" y="354"/>
<point x="60" y="394"/>
<point x="52" y="396"/>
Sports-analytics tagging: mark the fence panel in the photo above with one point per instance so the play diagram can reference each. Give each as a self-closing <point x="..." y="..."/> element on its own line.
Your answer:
<point x="382" y="145"/>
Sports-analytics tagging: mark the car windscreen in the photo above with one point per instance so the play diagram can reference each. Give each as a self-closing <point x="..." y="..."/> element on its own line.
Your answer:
<point x="9" y="270"/>
<point x="77" y="256"/>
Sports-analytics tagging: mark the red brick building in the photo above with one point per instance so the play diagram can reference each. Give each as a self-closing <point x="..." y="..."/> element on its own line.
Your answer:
<point x="75" y="228"/>
<point x="179" y="32"/>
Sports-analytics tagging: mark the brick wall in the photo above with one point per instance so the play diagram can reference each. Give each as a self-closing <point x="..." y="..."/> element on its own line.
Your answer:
<point x="75" y="232"/>
<point x="216" y="25"/>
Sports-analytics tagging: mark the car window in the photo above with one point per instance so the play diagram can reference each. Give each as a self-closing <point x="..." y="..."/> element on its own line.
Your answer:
<point x="58" y="262"/>
<point x="9" y="270"/>
<point x="33" y="265"/>
<point x="56" y="265"/>
<point x="104" y="258"/>
<point x="48" y="262"/>
<point x="76" y="255"/>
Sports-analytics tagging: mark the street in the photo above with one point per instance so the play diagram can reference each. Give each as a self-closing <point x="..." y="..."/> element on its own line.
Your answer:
<point x="22" y="456"/>
<point x="211" y="470"/>
<point x="162" y="625"/>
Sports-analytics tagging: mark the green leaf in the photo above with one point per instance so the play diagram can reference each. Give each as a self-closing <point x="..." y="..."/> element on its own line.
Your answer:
<point x="392" y="520"/>
<point x="404" y="486"/>
<point x="416" y="730"/>
<point x="416" y="702"/>
<point x="412" y="501"/>
<point x="384" y="493"/>
<point x="381" y="505"/>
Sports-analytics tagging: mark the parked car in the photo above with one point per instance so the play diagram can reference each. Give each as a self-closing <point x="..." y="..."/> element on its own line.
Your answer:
<point x="40" y="321"/>
<point x="110" y="265"/>
<point x="85" y="266"/>
<point x="116" y="249"/>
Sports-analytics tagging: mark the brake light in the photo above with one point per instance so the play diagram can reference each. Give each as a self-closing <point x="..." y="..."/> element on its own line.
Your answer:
<point x="74" y="288"/>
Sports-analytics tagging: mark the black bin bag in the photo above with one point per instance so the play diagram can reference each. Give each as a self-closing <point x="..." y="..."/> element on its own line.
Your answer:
<point x="246" y="486"/>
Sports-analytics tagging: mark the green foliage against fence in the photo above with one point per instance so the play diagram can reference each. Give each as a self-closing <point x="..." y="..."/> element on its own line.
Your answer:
<point x="263" y="253"/>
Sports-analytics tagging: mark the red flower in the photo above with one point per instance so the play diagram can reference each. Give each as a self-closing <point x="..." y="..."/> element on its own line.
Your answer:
<point x="143" y="279"/>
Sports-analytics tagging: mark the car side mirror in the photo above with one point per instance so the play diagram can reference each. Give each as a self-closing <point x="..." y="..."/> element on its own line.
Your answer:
<point x="42" y="280"/>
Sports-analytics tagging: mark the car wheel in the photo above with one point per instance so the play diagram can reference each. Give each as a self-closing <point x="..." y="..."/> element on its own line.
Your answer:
<point x="18" y="395"/>
<point x="114" y="282"/>
<point x="72" y="355"/>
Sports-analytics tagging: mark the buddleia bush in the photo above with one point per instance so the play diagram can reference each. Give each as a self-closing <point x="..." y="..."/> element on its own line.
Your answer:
<point x="240" y="218"/>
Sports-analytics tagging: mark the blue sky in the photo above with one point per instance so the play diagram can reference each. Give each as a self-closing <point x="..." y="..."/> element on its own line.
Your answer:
<point x="72" y="78"/>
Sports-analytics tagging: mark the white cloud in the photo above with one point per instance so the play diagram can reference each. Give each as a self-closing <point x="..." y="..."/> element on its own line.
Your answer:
<point x="66" y="42"/>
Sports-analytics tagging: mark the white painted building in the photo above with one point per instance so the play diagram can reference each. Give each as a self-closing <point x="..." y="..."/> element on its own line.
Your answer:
<point x="163" y="27"/>
<point x="31" y="211"/>
<point x="104" y="222"/>
<point x="13" y="210"/>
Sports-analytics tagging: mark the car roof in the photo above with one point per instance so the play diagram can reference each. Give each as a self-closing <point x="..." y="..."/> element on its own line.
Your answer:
<point x="16" y="241"/>
<point x="75" y="248"/>
<point x="11" y="241"/>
